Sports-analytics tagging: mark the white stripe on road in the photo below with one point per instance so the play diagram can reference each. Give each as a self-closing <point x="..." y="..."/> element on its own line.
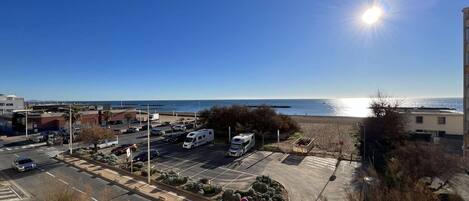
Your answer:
<point x="16" y="193"/>
<point x="78" y="190"/>
<point x="16" y="155"/>
<point x="50" y="174"/>
<point x="8" y="149"/>
<point x="63" y="181"/>
<point x="94" y="199"/>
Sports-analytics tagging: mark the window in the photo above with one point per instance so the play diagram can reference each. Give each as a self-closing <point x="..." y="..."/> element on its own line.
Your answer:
<point x="441" y="120"/>
<point x="441" y="133"/>
<point x="466" y="58"/>
<point x="466" y="34"/>
<point x="419" y="119"/>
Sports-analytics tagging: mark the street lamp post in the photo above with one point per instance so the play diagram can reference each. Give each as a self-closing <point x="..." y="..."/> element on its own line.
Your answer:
<point x="26" y="123"/>
<point x="148" y="142"/>
<point x="70" y="141"/>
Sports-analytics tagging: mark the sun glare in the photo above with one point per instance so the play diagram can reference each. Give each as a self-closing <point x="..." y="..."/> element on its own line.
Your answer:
<point x="372" y="15"/>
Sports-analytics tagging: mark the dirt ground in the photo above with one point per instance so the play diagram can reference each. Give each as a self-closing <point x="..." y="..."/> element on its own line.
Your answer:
<point x="328" y="133"/>
<point x="172" y="119"/>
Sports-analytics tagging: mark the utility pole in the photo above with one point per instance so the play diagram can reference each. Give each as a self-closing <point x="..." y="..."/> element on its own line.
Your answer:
<point x="195" y="117"/>
<point x="229" y="134"/>
<point x="278" y="138"/>
<point x="148" y="143"/>
<point x="70" y="146"/>
<point x="140" y="116"/>
<point x="26" y="123"/>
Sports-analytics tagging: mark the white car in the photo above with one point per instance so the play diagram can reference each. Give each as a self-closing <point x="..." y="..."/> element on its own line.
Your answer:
<point x="107" y="143"/>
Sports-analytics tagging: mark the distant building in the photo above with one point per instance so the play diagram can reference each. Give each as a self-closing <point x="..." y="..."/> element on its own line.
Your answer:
<point x="51" y="117"/>
<point x="434" y="122"/>
<point x="9" y="103"/>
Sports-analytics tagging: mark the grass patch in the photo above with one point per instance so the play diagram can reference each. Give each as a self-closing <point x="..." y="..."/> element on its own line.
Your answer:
<point x="295" y="136"/>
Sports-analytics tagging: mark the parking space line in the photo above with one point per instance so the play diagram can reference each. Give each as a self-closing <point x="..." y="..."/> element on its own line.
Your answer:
<point x="232" y="180"/>
<point x="240" y="172"/>
<point x="224" y="168"/>
<point x="199" y="173"/>
<point x="175" y="165"/>
<point x="63" y="181"/>
<point x="218" y="175"/>
<point x="190" y="167"/>
<point x="50" y="174"/>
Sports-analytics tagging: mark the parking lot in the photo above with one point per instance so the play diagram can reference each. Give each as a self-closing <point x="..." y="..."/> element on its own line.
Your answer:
<point x="305" y="177"/>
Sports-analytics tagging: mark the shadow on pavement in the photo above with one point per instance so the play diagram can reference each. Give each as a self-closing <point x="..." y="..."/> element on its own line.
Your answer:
<point x="293" y="159"/>
<point x="19" y="143"/>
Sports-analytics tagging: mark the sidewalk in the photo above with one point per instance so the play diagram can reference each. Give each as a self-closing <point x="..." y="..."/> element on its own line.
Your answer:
<point x="132" y="184"/>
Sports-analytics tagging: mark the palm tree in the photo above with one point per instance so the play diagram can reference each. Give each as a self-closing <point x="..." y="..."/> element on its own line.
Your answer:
<point x="128" y="117"/>
<point x="75" y="116"/>
<point x="107" y="116"/>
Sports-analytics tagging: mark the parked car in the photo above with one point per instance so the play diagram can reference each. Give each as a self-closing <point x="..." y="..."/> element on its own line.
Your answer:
<point x="132" y="130"/>
<point x="22" y="164"/>
<point x="177" y="138"/>
<point x="107" y="143"/>
<point x="39" y="137"/>
<point x="158" y="131"/>
<point x="143" y="156"/>
<point x="179" y="127"/>
<point x="123" y="149"/>
<point x="145" y="127"/>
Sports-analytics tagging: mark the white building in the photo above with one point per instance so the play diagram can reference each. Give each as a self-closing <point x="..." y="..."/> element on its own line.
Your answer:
<point x="437" y="122"/>
<point x="9" y="103"/>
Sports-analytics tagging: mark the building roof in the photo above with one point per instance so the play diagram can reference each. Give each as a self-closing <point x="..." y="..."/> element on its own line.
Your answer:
<point x="429" y="110"/>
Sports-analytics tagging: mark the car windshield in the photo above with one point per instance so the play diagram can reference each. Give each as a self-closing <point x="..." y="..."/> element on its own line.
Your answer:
<point x="23" y="161"/>
<point x="189" y="139"/>
<point x="235" y="146"/>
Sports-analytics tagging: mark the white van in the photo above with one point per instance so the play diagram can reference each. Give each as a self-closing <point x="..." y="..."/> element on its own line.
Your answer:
<point x="241" y="144"/>
<point x="107" y="143"/>
<point x="198" y="138"/>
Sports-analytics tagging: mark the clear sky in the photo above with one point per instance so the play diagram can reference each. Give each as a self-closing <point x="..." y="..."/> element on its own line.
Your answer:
<point x="223" y="49"/>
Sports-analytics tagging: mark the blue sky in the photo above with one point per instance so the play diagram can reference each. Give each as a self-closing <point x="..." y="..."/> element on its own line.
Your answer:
<point x="212" y="49"/>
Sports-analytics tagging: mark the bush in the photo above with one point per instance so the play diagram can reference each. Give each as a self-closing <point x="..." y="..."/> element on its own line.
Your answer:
<point x="203" y="181"/>
<point x="230" y="195"/>
<point x="260" y="187"/>
<point x="172" y="178"/>
<point x="109" y="159"/>
<point x="209" y="189"/>
<point x="144" y="171"/>
<point x="262" y="120"/>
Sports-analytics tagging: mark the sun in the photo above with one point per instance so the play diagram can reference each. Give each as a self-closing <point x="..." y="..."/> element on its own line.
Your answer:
<point x="372" y="15"/>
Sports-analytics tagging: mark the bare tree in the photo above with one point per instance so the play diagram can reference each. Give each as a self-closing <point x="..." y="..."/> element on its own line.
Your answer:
<point x="95" y="135"/>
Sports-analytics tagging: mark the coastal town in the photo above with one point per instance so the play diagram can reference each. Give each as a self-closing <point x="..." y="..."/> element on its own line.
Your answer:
<point x="111" y="134"/>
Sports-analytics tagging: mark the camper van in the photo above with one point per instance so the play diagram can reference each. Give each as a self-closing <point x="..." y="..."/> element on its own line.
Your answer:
<point x="241" y="144"/>
<point x="198" y="138"/>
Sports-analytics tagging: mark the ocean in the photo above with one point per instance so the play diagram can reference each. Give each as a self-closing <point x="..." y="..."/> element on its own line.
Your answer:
<point x="353" y="107"/>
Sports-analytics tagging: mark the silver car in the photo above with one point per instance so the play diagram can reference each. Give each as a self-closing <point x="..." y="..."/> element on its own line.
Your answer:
<point x="22" y="164"/>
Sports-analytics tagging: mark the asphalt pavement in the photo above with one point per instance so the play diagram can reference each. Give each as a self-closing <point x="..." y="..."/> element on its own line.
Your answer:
<point x="52" y="174"/>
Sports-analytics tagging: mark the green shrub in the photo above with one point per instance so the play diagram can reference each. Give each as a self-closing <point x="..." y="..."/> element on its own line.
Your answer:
<point x="172" y="178"/>
<point x="209" y="189"/>
<point x="193" y="186"/>
<point x="230" y="195"/>
<point x="203" y="181"/>
<point x="144" y="171"/>
<point x="260" y="187"/>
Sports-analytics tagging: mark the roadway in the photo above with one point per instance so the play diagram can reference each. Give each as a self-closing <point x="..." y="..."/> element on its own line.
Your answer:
<point x="52" y="175"/>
